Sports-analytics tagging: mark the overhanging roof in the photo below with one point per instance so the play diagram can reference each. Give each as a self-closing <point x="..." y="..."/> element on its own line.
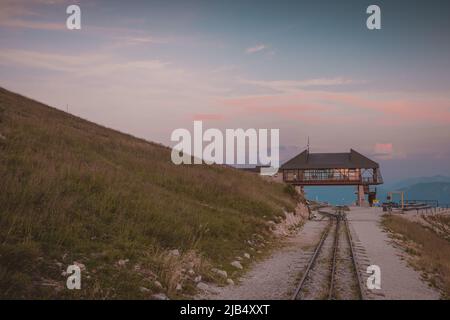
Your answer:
<point x="349" y="160"/>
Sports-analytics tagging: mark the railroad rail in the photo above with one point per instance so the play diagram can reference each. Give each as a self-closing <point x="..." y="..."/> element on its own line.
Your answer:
<point x="338" y="220"/>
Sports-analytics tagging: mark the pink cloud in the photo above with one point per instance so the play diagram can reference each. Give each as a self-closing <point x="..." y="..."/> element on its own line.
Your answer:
<point x="385" y="111"/>
<point x="208" y="116"/>
<point x="256" y="48"/>
<point x="383" y="148"/>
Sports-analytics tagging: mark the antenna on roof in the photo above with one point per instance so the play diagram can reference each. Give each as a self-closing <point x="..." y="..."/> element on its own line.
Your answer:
<point x="307" y="146"/>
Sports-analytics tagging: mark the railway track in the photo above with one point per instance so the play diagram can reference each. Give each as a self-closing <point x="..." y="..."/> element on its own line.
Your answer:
<point x="331" y="272"/>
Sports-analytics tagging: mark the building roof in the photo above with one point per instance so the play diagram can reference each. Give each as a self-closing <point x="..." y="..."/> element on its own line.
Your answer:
<point x="349" y="160"/>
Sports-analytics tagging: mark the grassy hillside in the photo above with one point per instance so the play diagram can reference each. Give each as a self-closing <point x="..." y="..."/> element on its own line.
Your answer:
<point x="71" y="190"/>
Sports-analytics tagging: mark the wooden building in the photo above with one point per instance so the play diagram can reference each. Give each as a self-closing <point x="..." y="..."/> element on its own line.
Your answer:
<point x="334" y="169"/>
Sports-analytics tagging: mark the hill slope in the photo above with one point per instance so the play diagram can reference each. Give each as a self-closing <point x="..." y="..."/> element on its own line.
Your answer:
<point x="72" y="191"/>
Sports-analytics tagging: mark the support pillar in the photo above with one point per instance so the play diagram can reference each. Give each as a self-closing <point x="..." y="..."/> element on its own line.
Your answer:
<point x="360" y="201"/>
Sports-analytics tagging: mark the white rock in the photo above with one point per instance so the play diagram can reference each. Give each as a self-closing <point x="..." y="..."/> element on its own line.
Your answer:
<point x="202" y="286"/>
<point x="122" y="262"/>
<point x="237" y="265"/>
<point x="221" y="273"/>
<point x="191" y="272"/>
<point x="174" y="252"/>
<point x="198" y="278"/>
<point x="80" y="265"/>
<point x="158" y="284"/>
<point x="144" y="289"/>
<point x="246" y="255"/>
<point x="159" y="296"/>
<point x="239" y="258"/>
<point x="179" y="287"/>
<point x="230" y="281"/>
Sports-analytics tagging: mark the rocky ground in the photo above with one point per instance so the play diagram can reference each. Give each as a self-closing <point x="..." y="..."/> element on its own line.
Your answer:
<point x="277" y="276"/>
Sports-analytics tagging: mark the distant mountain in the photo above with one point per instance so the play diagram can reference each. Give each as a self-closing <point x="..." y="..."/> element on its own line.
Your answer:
<point x="420" y="188"/>
<point x="439" y="191"/>
<point x="338" y="195"/>
<point x="415" y="180"/>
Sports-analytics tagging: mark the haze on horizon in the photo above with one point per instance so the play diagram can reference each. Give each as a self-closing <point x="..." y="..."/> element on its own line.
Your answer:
<point x="308" y="68"/>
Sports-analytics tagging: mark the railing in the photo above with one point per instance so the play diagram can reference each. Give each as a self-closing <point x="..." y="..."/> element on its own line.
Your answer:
<point x="431" y="203"/>
<point x="318" y="179"/>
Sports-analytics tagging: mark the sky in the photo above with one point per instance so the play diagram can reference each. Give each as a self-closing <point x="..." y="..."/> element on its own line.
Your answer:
<point x="308" y="68"/>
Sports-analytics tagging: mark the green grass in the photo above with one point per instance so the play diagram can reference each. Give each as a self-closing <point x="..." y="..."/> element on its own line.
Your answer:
<point x="71" y="190"/>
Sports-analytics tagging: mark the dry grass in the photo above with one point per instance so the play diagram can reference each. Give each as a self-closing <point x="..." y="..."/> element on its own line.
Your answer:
<point x="439" y="223"/>
<point x="429" y="252"/>
<point x="74" y="191"/>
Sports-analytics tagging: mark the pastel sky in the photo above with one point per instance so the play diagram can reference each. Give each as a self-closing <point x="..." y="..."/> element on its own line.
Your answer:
<point x="309" y="68"/>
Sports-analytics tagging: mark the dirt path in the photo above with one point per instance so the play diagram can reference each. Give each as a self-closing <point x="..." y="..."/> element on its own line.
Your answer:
<point x="277" y="276"/>
<point x="398" y="280"/>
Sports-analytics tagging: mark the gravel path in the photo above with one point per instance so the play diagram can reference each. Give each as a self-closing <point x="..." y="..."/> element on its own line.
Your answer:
<point x="276" y="277"/>
<point x="398" y="280"/>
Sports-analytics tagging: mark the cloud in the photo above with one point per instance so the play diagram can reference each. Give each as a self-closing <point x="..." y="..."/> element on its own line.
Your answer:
<point x="207" y="116"/>
<point x="295" y="85"/>
<point x="255" y="49"/>
<point x="19" y="14"/>
<point x="383" y="148"/>
<point x="385" y="151"/>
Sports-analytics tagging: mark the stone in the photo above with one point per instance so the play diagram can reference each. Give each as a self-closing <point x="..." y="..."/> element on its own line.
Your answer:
<point x="246" y="255"/>
<point x="80" y="265"/>
<point x="221" y="273"/>
<point x="144" y="289"/>
<point x="174" y="252"/>
<point x="122" y="262"/>
<point x="191" y="272"/>
<point x="157" y="284"/>
<point x="179" y="287"/>
<point x="202" y="286"/>
<point x="159" y="296"/>
<point x="198" y="278"/>
<point x="237" y="265"/>
<point x="230" y="281"/>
